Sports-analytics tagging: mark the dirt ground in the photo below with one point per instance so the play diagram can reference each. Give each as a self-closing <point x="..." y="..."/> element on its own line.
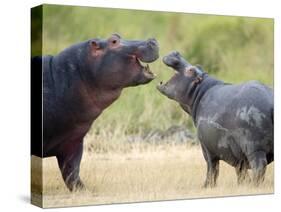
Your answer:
<point x="176" y="172"/>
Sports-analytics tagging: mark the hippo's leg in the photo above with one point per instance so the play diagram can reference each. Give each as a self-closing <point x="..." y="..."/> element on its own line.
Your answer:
<point x="212" y="173"/>
<point x="269" y="158"/>
<point x="69" y="164"/>
<point x="242" y="172"/>
<point x="212" y="168"/>
<point x="258" y="162"/>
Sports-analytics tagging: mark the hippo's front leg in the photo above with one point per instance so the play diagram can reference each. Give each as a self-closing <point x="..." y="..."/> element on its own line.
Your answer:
<point x="212" y="168"/>
<point x="69" y="164"/>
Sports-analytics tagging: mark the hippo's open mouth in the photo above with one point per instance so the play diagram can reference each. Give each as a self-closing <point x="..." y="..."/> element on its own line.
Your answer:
<point x="145" y="69"/>
<point x="174" y="61"/>
<point x="161" y="85"/>
<point x="146" y="52"/>
<point x="143" y="66"/>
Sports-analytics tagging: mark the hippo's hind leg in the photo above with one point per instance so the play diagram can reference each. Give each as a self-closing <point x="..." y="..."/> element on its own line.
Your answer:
<point x="69" y="164"/>
<point x="258" y="163"/>
<point x="242" y="172"/>
<point x="212" y="168"/>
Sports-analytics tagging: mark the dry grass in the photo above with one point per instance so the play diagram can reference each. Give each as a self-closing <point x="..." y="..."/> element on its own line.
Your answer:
<point x="160" y="173"/>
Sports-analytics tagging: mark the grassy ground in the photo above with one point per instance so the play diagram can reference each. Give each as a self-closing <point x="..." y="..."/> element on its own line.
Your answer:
<point x="164" y="173"/>
<point x="233" y="49"/>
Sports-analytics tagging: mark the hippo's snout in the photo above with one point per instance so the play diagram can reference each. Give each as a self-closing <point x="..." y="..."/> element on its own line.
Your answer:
<point x="172" y="61"/>
<point x="175" y="61"/>
<point x="152" y="42"/>
<point x="161" y="87"/>
<point x="175" y="54"/>
<point x="148" y="51"/>
<point x="166" y="90"/>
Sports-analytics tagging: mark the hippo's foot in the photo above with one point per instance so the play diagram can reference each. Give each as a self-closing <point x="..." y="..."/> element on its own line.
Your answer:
<point x="258" y="176"/>
<point x="244" y="180"/>
<point x="242" y="173"/>
<point x="209" y="184"/>
<point x="258" y="163"/>
<point x="212" y="168"/>
<point x="80" y="186"/>
<point x="212" y="175"/>
<point x="76" y="186"/>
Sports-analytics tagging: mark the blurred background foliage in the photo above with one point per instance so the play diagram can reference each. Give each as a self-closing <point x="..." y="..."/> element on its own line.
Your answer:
<point x="233" y="49"/>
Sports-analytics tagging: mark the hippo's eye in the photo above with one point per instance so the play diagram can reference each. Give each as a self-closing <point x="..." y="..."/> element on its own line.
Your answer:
<point x="114" y="42"/>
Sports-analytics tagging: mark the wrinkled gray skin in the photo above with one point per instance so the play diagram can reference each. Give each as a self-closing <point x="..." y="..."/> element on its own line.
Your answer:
<point x="234" y="122"/>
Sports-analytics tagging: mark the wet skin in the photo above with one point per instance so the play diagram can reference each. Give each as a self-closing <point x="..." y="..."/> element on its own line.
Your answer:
<point x="78" y="84"/>
<point x="234" y="122"/>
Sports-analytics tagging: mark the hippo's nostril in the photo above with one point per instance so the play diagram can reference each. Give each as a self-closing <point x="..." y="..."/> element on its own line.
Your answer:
<point x="176" y="53"/>
<point x="153" y="42"/>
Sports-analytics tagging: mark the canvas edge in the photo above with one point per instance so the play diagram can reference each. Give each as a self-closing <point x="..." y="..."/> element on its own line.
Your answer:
<point x="36" y="104"/>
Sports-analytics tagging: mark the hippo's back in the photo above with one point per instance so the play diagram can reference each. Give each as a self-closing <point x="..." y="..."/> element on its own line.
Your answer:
<point x="236" y="120"/>
<point x="249" y="102"/>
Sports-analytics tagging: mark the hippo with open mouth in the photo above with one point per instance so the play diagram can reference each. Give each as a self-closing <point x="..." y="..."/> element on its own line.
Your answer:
<point x="234" y="122"/>
<point x="78" y="84"/>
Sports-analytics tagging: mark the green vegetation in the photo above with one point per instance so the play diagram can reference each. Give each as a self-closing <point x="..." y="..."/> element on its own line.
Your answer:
<point x="233" y="49"/>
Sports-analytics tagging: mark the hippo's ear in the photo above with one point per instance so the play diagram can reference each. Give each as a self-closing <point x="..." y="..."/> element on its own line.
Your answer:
<point x="96" y="47"/>
<point x="193" y="72"/>
<point x="190" y="71"/>
<point x="95" y="44"/>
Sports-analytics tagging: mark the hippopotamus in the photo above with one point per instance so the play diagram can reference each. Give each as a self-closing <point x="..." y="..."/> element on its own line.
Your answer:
<point x="234" y="122"/>
<point x="78" y="84"/>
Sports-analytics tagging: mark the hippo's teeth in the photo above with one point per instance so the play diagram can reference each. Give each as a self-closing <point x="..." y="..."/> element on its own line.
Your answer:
<point x="142" y="63"/>
<point x="147" y="68"/>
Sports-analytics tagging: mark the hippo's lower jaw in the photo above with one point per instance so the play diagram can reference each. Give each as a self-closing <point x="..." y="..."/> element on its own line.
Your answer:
<point x="144" y="76"/>
<point x="161" y="87"/>
<point x="145" y="68"/>
<point x="148" y="73"/>
<point x="164" y="90"/>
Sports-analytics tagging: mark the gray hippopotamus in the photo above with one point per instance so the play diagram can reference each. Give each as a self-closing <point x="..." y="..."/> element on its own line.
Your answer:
<point x="78" y="84"/>
<point x="234" y="122"/>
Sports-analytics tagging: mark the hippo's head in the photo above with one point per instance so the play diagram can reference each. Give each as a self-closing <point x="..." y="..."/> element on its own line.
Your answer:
<point x="182" y="83"/>
<point x="118" y="63"/>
